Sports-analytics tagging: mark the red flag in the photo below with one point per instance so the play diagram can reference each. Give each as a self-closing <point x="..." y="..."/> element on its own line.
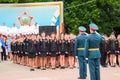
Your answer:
<point x="62" y="27"/>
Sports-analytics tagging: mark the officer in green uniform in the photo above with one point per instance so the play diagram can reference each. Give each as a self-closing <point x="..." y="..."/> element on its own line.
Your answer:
<point x="79" y="52"/>
<point x="92" y="51"/>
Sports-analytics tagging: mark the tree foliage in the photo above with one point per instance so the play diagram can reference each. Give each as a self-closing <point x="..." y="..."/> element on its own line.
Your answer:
<point x="105" y="13"/>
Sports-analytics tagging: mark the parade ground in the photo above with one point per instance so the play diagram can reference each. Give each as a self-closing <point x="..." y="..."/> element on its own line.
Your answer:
<point x="10" y="71"/>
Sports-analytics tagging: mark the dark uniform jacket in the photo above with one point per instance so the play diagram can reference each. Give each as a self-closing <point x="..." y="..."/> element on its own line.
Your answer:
<point x="71" y="44"/>
<point x="63" y="45"/>
<point x="117" y="47"/>
<point x="31" y="46"/>
<point x="20" y="46"/>
<point x="26" y="45"/>
<point x="16" y="47"/>
<point x="38" y="45"/>
<point x="13" y="47"/>
<point x="104" y="48"/>
<point x="112" y="44"/>
<point x="53" y="45"/>
<point x="43" y="46"/>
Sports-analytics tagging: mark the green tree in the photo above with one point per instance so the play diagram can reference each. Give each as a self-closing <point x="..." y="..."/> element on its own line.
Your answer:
<point x="9" y="1"/>
<point x="105" y="13"/>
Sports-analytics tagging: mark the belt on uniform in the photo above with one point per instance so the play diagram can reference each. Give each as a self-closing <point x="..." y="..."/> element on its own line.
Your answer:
<point x="80" y="48"/>
<point x="93" y="49"/>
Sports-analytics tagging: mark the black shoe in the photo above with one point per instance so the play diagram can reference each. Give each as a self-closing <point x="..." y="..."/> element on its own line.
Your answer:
<point x="43" y="68"/>
<point x="104" y="66"/>
<point x="53" y="68"/>
<point x="24" y="64"/>
<point x="57" y="66"/>
<point x="38" y="67"/>
<point x="71" y="67"/>
<point x="113" y="66"/>
<point x="32" y="70"/>
<point x="81" y="78"/>
<point x="62" y="67"/>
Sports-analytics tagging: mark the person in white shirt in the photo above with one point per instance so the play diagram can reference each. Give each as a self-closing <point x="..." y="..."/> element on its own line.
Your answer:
<point x="34" y="29"/>
<point x="4" y="29"/>
<point x="14" y="30"/>
<point x="24" y="29"/>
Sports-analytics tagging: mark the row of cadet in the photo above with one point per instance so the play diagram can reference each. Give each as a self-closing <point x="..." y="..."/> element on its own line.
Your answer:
<point x="110" y="50"/>
<point x="42" y="51"/>
<point x="52" y="48"/>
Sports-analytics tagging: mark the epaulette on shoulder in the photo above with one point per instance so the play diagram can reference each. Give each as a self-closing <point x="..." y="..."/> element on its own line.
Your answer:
<point x="77" y="36"/>
<point x="98" y="33"/>
<point x="87" y="34"/>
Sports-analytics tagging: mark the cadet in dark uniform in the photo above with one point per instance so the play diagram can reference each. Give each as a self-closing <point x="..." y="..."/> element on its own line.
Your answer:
<point x="13" y="49"/>
<point x="103" y="50"/>
<point x="53" y="50"/>
<point x="26" y="50"/>
<point x="71" y="43"/>
<point x="62" y="50"/>
<point x="23" y="62"/>
<point x="43" y="52"/>
<point x="39" y="41"/>
<point x="92" y="51"/>
<point x="32" y="52"/>
<point x="20" y="50"/>
<point x="79" y="52"/>
<point x="112" y="48"/>
<point x="48" y="57"/>
<point x="118" y="49"/>
<point x="58" y="54"/>
<point x="16" y="50"/>
<point x="66" y="50"/>
<point x="38" y="38"/>
<point x="35" y="51"/>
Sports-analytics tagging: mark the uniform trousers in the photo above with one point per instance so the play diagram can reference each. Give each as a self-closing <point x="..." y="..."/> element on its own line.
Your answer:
<point x="103" y="58"/>
<point x="94" y="67"/>
<point x="3" y="54"/>
<point x="82" y="66"/>
<point x="0" y="56"/>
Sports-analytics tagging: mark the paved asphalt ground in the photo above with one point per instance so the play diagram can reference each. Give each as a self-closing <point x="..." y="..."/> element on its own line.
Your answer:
<point x="10" y="71"/>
